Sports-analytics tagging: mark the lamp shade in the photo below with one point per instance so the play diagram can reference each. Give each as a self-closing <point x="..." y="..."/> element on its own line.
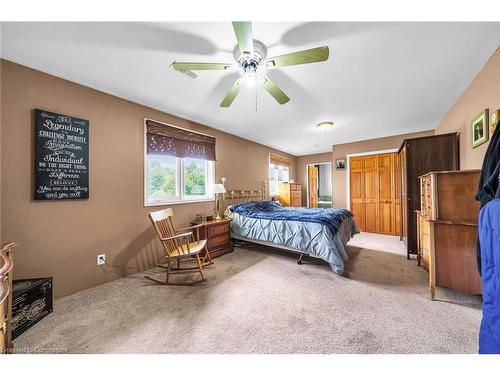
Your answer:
<point x="219" y="188"/>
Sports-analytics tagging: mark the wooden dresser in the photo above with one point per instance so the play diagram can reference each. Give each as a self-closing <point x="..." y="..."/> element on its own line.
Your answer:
<point x="416" y="157"/>
<point x="290" y="194"/>
<point x="447" y="230"/>
<point x="218" y="236"/>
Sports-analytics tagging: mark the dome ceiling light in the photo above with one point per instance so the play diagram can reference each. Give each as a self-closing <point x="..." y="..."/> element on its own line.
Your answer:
<point x="324" y="126"/>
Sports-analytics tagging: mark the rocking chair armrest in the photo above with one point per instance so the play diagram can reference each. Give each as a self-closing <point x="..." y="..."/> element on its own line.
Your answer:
<point x="187" y="234"/>
<point x="191" y="227"/>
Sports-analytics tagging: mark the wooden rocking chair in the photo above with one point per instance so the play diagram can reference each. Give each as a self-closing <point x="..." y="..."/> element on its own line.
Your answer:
<point x="179" y="247"/>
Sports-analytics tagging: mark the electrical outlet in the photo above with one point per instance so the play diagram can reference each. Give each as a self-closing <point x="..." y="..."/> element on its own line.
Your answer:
<point x="101" y="259"/>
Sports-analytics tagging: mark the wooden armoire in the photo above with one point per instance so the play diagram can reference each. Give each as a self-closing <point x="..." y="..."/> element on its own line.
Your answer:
<point x="374" y="192"/>
<point x="418" y="156"/>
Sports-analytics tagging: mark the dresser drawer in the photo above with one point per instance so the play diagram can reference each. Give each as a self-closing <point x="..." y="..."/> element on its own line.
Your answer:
<point x="426" y="242"/>
<point x="425" y="227"/>
<point x="425" y="245"/>
<point x="295" y="194"/>
<point x="218" y="241"/>
<point x="215" y="230"/>
<point x="296" y="202"/>
<point x="294" y="187"/>
<point x="425" y="258"/>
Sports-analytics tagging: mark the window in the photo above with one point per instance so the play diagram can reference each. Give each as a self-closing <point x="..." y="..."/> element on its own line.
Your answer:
<point x="195" y="177"/>
<point x="278" y="172"/>
<point x="170" y="178"/>
<point x="162" y="178"/>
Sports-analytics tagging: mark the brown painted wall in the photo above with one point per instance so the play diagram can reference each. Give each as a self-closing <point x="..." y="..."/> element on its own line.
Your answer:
<point x="340" y="151"/>
<point x="62" y="239"/>
<point x="301" y="170"/>
<point x="483" y="92"/>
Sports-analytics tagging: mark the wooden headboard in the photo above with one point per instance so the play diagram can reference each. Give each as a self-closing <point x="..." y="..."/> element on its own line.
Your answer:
<point x="244" y="196"/>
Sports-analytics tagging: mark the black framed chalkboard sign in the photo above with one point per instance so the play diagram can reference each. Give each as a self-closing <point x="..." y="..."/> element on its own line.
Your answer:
<point x="61" y="157"/>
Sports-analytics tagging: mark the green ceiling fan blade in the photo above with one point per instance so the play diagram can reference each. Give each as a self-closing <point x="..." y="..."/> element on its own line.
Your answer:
<point x="275" y="91"/>
<point x="302" y="57"/>
<point x="244" y="36"/>
<point x="231" y="94"/>
<point x="181" y="65"/>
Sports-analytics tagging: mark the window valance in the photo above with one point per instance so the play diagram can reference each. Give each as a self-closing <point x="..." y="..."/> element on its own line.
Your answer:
<point x="182" y="143"/>
<point x="279" y="160"/>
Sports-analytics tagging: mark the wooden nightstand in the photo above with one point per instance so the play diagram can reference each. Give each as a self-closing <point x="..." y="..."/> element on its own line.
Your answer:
<point x="218" y="235"/>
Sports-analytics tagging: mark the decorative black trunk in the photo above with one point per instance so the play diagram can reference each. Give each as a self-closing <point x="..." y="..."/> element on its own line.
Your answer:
<point x="31" y="302"/>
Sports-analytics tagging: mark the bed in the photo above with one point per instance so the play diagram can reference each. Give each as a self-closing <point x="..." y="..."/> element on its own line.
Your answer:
<point x="321" y="233"/>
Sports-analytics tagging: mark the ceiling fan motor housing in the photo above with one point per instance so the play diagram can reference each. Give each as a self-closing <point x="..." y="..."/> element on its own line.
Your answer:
<point x="249" y="62"/>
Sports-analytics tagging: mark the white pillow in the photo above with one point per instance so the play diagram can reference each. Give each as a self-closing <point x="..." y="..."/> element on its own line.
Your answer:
<point x="228" y="214"/>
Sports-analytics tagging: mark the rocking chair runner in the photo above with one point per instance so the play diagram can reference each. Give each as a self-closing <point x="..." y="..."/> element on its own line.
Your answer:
<point x="178" y="247"/>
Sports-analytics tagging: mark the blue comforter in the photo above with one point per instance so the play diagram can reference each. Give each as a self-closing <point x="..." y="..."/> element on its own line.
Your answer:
<point x="330" y="217"/>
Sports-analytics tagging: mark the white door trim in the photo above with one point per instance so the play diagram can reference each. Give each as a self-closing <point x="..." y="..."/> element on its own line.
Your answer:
<point x="348" y="171"/>
<point x="307" y="179"/>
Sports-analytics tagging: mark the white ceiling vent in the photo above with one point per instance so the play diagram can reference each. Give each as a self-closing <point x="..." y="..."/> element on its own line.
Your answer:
<point x="188" y="73"/>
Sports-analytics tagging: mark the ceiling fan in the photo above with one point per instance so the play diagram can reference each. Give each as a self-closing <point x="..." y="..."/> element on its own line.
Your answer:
<point x="250" y="55"/>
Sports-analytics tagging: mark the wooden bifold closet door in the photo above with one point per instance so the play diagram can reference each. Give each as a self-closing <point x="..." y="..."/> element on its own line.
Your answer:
<point x="374" y="188"/>
<point x="369" y="188"/>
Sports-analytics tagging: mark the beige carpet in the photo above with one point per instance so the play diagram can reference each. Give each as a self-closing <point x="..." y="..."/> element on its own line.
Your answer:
<point x="380" y="242"/>
<point x="258" y="300"/>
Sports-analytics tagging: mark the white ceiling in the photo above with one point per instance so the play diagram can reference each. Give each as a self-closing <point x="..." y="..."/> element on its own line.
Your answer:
<point x="381" y="78"/>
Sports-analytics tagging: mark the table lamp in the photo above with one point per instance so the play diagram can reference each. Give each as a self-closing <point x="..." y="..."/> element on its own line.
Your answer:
<point x="218" y="189"/>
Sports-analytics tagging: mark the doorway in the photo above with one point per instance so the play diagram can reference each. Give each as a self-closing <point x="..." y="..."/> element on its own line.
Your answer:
<point x="374" y="192"/>
<point x="319" y="185"/>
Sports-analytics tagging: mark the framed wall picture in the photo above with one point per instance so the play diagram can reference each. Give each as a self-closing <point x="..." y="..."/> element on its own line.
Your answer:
<point x="340" y="163"/>
<point x="61" y="156"/>
<point x="494" y="119"/>
<point x="480" y="128"/>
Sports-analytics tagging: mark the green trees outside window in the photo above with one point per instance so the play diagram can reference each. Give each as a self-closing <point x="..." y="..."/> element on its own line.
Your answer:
<point x="162" y="176"/>
<point x="194" y="177"/>
<point x="170" y="178"/>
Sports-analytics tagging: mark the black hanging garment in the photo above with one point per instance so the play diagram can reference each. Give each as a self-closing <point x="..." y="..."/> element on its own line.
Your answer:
<point x="488" y="182"/>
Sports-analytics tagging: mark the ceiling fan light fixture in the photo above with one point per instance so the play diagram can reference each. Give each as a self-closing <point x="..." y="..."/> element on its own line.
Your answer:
<point x="324" y="126"/>
<point x="249" y="78"/>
